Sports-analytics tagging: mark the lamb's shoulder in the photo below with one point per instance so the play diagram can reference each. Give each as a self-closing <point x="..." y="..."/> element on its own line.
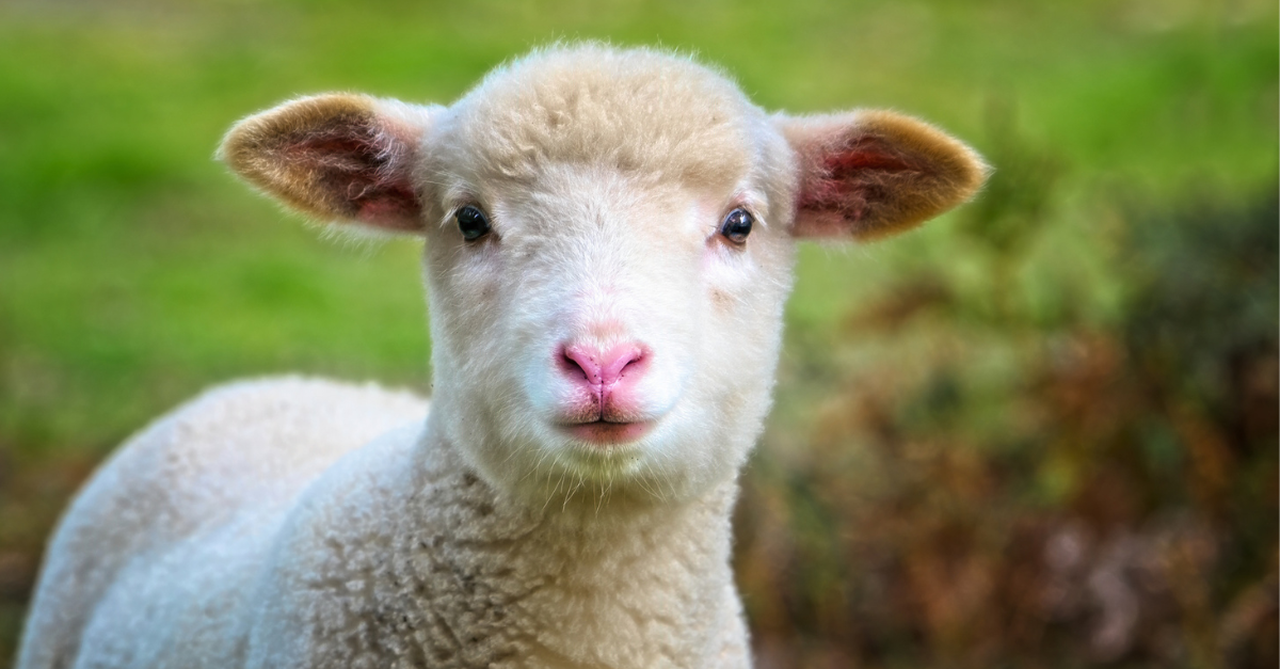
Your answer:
<point x="395" y="557"/>
<point x="315" y="604"/>
<point x="227" y="463"/>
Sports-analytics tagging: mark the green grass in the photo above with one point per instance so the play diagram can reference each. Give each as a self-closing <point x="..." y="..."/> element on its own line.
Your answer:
<point x="134" y="270"/>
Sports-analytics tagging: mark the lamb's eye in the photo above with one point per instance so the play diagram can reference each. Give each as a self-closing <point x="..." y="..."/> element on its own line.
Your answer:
<point x="737" y="225"/>
<point x="472" y="222"/>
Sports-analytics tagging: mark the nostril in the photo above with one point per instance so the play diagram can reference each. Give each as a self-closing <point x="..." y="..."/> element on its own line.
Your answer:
<point x="572" y="367"/>
<point x="577" y="361"/>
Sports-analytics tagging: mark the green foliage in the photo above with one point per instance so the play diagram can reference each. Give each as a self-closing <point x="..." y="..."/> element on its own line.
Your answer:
<point x="1071" y="379"/>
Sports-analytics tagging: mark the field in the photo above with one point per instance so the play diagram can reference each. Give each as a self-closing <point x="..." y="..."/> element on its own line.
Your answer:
<point x="1039" y="432"/>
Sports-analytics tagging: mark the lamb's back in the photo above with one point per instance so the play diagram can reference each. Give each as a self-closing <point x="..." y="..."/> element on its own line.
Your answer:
<point x="193" y="501"/>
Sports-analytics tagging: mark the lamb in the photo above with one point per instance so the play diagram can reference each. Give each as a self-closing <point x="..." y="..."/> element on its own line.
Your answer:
<point x="609" y="244"/>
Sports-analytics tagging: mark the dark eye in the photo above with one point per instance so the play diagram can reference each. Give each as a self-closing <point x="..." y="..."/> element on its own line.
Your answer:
<point x="737" y="225"/>
<point x="472" y="222"/>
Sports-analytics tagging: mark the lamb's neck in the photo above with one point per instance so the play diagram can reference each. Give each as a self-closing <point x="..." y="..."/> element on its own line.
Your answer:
<point x="606" y="587"/>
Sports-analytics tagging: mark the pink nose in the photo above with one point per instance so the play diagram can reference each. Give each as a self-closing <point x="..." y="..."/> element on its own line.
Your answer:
<point x="603" y="368"/>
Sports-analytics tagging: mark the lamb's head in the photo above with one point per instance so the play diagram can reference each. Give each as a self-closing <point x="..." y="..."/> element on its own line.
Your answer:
<point x="609" y="248"/>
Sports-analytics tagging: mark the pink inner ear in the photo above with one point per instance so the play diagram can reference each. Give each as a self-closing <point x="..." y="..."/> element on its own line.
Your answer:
<point x="851" y="179"/>
<point x="862" y="154"/>
<point x="317" y="149"/>
<point x="391" y="204"/>
<point x="361" y="174"/>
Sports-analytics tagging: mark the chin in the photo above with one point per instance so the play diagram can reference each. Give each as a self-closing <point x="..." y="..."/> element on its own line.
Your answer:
<point x="598" y="470"/>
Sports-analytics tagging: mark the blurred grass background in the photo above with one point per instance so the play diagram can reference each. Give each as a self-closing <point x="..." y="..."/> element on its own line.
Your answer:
<point x="1041" y="432"/>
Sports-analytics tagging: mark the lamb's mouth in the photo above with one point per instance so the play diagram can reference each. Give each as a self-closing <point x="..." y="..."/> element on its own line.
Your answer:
<point x="606" y="433"/>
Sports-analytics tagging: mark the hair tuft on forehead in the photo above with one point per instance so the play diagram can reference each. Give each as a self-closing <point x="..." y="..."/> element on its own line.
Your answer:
<point x="646" y="111"/>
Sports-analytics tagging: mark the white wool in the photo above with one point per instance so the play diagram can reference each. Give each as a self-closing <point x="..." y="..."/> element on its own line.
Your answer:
<point x="305" y="523"/>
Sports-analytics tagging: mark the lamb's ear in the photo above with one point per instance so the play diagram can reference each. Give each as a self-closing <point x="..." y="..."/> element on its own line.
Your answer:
<point x="337" y="157"/>
<point x="871" y="174"/>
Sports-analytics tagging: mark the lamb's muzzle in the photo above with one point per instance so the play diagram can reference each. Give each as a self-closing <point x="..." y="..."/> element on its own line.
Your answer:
<point x="604" y="407"/>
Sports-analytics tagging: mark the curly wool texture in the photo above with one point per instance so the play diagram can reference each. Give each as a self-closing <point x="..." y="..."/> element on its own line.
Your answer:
<point x="174" y="528"/>
<point x="457" y="576"/>
<point x="387" y="554"/>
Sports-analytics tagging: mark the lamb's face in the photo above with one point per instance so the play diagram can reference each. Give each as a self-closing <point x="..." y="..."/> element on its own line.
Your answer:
<point x="614" y="317"/>
<point x="608" y="249"/>
<point x="606" y="330"/>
